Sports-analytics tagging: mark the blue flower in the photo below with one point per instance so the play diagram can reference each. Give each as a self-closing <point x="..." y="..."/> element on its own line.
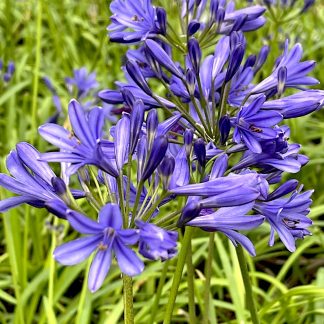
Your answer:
<point x="33" y="181"/>
<point x="85" y="145"/>
<point x="155" y="242"/>
<point x="107" y="238"/>
<point x="252" y="124"/>
<point x="287" y="215"/>
<point x="296" y="71"/>
<point x="83" y="81"/>
<point x="133" y="22"/>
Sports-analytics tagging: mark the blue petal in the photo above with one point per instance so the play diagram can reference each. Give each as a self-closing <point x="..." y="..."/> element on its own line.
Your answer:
<point x="110" y="216"/>
<point x="76" y="251"/>
<point x="58" y="136"/>
<point x="13" y="202"/>
<point x="241" y="239"/>
<point x="129" y="263"/>
<point x="99" y="268"/>
<point x="83" y="224"/>
<point x="79" y="124"/>
<point x="29" y="155"/>
<point x="96" y="122"/>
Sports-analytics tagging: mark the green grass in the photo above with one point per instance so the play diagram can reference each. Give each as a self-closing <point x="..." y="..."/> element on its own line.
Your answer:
<point x="50" y="38"/>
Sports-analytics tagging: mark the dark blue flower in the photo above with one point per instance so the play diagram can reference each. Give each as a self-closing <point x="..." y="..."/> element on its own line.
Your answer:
<point x="155" y="242"/>
<point x="107" y="238"/>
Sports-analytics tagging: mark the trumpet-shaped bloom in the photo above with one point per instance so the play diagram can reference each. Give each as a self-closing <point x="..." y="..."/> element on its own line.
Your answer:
<point x="155" y="242"/>
<point x="287" y="215"/>
<point x="107" y="238"/>
<point x="85" y="145"/>
<point x="252" y="125"/>
<point x="296" y="71"/>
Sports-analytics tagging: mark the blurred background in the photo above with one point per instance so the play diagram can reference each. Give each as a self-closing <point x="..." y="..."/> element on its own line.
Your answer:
<point x="45" y="48"/>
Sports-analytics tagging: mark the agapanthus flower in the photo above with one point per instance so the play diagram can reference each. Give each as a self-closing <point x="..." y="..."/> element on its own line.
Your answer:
<point x="155" y="242"/>
<point x="135" y="21"/>
<point x="296" y="71"/>
<point x="252" y="125"/>
<point x="85" y="146"/>
<point x="287" y="215"/>
<point x="34" y="182"/>
<point x="107" y="238"/>
<point x="83" y="81"/>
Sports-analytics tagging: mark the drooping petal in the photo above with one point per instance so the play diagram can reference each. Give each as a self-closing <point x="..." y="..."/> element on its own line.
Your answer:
<point x="129" y="263"/>
<point x="100" y="266"/>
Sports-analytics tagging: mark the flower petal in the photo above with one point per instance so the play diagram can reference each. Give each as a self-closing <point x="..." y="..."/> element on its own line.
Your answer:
<point x="99" y="268"/>
<point x="129" y="263"/>
<point x="76" y="251"/>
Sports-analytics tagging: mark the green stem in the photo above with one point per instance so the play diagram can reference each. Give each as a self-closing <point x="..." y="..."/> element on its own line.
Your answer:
<point x="159" y="290"/>
<point x="208" y="273"/>
<point x="137" y="199"/>
<point x="128" y="299"/>
<point x="178" y="274"/>
<point x="191" y="289"/>
<point x="247" y="284"/>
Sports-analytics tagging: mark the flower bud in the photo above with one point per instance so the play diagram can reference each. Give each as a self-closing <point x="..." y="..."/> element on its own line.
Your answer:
<point x="157" y="153"/>
<point x="200" y="151"/>
<point x="152" y="123"/>
<point x="193" y="27"/>
<point x="166" y="169"/>
<point x="282" y="78"/>
<point x="191" y="81"/>
<point x="224" y="127"/>
<point x="136" y="122"/>
<point x="161" y="20"/>
<point x="137" y="76"/>
<point x="194" y="53"/>
<point x="188" y="137"/>
<point x="189" y="212"/>
<point x="59" y="186"/>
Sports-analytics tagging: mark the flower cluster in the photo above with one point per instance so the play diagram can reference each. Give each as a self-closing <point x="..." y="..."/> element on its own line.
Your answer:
<point x="212" y="144"/>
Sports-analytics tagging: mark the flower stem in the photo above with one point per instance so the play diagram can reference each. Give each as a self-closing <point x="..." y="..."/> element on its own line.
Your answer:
<point x="178" y="273"/>
<point x="247" y="284"/>
<point x="208" y="273"/>
<point x="128" y="300"/>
